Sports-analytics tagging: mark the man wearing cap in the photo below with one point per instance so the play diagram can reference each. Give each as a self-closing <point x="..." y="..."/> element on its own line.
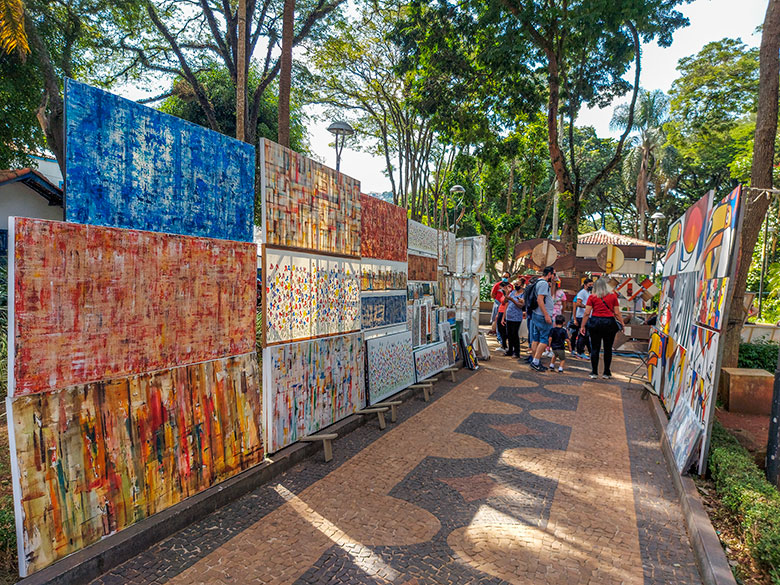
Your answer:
<point x="541" y="318"/>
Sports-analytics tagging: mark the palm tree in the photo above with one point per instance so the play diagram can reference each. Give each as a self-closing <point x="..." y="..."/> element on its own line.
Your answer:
<point x="649" y="117"/>
<point x="12" y="35"/>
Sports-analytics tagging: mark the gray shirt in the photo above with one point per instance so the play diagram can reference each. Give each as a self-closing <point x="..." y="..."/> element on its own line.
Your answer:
<point x="543" y="288"/>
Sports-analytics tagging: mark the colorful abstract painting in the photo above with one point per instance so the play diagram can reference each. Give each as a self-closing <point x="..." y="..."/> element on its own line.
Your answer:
<point x="423" y="238"/>
<point x="382" y="275"/>
<point x="715" y="258"/>
<point x="390" y="365"/>
<point x="90" y="460"/>
<point x="309" y="385"/>
<point x="382" y="310"/>
<point x="308" y="295"/>
<point x="711" y="302"/>
<point x="674" y="373"/>
<point x="89" y="303"/>
<point x="683" y="306"/>
<point x="382" y="229"/>
<point x="307" y="205"/>
<point x="131" y="166"/>
<point x="693" y="233"/>
<point x="423" y="268"/>
<point x="431" y="359"/>
<point x="671" y="258"/>
<point x="656" y="359"/>
<point x="683" y="432"/>
<point x="702" y="359"/>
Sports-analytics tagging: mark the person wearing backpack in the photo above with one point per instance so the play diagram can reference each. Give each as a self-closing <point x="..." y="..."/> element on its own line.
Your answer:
<point x="541" y="307"/>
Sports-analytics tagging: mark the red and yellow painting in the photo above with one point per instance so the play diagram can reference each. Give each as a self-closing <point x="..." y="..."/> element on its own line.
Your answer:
<point x="423" y="268"/>
<point x="382" y="229"/>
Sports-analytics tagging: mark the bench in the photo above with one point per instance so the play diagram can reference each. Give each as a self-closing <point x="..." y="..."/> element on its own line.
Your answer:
<point x="393" y="405"/>
<point x="451" y="372"/>
<point x="326" y="439"/>
<point x="426" y="388"/>
<point x="380" y="414"/>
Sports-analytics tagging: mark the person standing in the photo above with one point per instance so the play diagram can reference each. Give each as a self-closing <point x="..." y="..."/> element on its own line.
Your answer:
<point x="602" y="320"/>
<point x="503" y="300"/>
<point x="496" y="290"/>
<point x="579" y="342"/>
<point x="541" y="317"/>
<point x="513" y="317"/>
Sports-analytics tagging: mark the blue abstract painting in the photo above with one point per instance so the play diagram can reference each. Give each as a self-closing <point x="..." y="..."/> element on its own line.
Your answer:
<point x="383" y="310"/>
<point x="131" y="166"/>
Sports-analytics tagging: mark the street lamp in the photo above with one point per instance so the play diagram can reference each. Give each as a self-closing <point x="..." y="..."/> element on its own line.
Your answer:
<point x="340" y="129"/>
<point x="459" y="190"/>
<point x="656" y="217"/>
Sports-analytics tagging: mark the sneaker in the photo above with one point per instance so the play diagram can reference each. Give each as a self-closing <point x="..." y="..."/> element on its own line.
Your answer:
<point x="607" y="376"/>
<point x="552" y="367"/>
<point x="560" y="370"/>
<point x="538" y="367"/>
<point x="594" y="376"/>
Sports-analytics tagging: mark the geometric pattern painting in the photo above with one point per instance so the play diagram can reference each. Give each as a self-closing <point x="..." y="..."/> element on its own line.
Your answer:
<point x="307" y="205"/>
<point x="307" y="295"/>
<point x="423" y="238"/>
<point x="309" y="385"/>
<point x="423" y="268"/>
<point x="390" y="365"/>
<point x="92" y="459"/>
<point x="130" y="166"/>
<point x="382" y="229"/>
<point x="90" y="303"/>
<point x="382" y="310"/>
<point x="431" y="359"/>
<point x="382" y="275"/>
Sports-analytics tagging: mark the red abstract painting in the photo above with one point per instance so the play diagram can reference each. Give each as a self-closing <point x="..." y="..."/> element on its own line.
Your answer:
<point x="423" y="268"/>
<point x="382" y="229"/>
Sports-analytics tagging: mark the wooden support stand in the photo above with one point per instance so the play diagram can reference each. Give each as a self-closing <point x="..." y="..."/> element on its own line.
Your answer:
<point x="393" y="405"/>
<point x="451" y="372"/>
<point x="326" y="439"/>
<point x="426" y="388"/>
<point x="380" y="413"/>
<point x="647" y="387"/>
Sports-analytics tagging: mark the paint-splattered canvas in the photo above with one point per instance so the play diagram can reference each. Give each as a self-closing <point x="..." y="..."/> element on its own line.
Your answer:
<point x="423" y="268"/>
<point x="308" y="295"/>
<point x="382" y="310"/>
<point x="390" y="365"/>
<point x="423" y="238"/>
<point x="711" y="301"/>
<point x="307" y="205"/>
<point x="131" y="166"/>
<point x="310" y="385"/>
<point x="382" y="275"/>
<point x="683" y="432"/>
<point x="91" y="303"/>
<point x="382" y="229"/>
<point x="431" y="359"/>
<point x="92" y="459"/>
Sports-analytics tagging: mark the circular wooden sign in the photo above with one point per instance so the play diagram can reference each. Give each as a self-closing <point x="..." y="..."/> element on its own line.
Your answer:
<point x="544" y="254"/>
<point x="610" y="258"/>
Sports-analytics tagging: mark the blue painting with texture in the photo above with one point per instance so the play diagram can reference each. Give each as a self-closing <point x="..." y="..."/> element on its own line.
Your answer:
<point x="383" y="310"/>
<point x="130" y="166"/>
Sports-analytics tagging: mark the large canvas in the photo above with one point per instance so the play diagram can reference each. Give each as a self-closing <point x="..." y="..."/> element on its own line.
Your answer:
<point x="310" y="385"/>
<point x="423" y="268"/>
<point x="307" y="295"/>
<point x="93" y="459"/>
<point x="131" y="166"/>
<point x="683" y="433"/>
<point x="90" y="303"/>
<point x="423" y="238"/>
<point x="382" y="310"/>
<point x="307" y="205"/>
<point x="382" y="275"/>
<point x="382" y="229"/>
<point x="390" y="365"/>
<point x="430" y="360"/>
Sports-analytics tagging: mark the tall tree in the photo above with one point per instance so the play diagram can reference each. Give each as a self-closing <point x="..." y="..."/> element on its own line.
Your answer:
<point x="285" y="74"/>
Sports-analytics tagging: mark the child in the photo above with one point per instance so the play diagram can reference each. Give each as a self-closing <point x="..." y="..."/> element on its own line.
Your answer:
<point x="558" y="340"/>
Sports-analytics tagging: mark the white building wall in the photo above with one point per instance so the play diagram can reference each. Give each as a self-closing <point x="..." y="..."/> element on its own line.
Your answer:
<point x="19" y="200"/>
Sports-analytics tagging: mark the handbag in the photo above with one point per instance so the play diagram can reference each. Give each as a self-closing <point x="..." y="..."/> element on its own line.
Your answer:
<point x="618" y="324"/>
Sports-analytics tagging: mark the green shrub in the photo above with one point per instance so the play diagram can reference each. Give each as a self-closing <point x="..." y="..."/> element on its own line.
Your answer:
<point x="759" y="355"/>
<point x="745" y="492"/>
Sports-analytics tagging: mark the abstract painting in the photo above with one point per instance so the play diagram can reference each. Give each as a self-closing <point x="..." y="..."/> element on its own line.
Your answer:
<point x="131" y="166"/>
<point x="673" y="244"/>
<point x="445" y="335"/>
<point x="423" y="238"/>
<point x="308" y="295"/>
<point x="683" y="432"/>
<point x="431" y="359"/>
<point x="90" y="303"/>
<point x="693" y="233"/>
<point x="309" y="385"/>
<point x="90" y="460"/>
<point x="711" y="301"/>
<point x="306" y="205"/>
<point x="683" y="306"/>
<point x="382" y="275"/>
<point x="702" y="358"/>
<point x="423" y="268"/>
<point x="674" y="373"/>
<point x="715" y="258"/>
<point x="382" y="229"/>
<point x="390" y="365"/>
<point x="382" y="310"/>
<point x="656" y="359"/>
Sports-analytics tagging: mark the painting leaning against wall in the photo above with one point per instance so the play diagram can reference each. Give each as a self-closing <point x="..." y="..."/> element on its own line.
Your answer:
<point x="390" y="365"/>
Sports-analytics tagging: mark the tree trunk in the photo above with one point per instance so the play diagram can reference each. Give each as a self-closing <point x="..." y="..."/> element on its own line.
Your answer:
<point x="757" y="203"/>
<point x="641" y="194"/>
<point x="241" y="70"/>
<point x="285" y="73"/>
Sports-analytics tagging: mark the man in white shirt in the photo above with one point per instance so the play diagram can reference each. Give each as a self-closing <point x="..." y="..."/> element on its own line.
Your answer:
<point x="578" y="341"/>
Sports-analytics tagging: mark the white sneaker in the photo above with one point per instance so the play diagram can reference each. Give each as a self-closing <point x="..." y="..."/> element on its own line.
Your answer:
<point x="594" y="376"/>
<point x="560" y="370"/>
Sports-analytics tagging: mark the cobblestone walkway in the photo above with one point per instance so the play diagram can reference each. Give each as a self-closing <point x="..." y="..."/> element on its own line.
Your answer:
<point x="510" y="476"/>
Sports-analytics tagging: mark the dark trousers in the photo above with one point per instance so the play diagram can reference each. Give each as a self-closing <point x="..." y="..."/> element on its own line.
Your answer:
<point x="579" y="342"/>
<point x="501" y="328"/>
<point x="601" y="329"/>
<point x="513" y="335"/>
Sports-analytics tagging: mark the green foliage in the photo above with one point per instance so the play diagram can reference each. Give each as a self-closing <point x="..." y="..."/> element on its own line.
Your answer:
<point x="758" y="355"/>
<point x="747" y="494"/>
<point x="20" y="96"/>
<point x="7" y="523"/>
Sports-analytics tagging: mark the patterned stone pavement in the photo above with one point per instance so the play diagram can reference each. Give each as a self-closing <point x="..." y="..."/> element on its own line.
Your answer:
<point x="509" y="476"/>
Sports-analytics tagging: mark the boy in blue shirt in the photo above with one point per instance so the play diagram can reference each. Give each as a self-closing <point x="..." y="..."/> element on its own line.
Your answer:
<point x="557" y="342"/>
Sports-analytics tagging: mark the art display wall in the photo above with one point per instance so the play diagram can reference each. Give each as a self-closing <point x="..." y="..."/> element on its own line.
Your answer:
<point x="423" y="239"/>
<point x="307" y="205"/>
<point x="423" y="268"/>
<point x="390" y="365"/>
<point x="309" y="385"/>
<point x="382" y="275"/>
<point x="382" y="229"/>
<point x="383" y="310"/>
<point x="308" y="295"/>
<point x="131" y="166"/>
<point x="430" y="360"/>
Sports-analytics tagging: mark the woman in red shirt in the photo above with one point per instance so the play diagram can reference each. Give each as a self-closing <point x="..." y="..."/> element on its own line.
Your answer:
<point x="603" y="320"/>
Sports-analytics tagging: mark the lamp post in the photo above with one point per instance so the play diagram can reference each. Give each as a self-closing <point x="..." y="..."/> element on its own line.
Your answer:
<point x="656" y="217"/>
<point x="456" y="189"/>
<point x="340" y="130"/>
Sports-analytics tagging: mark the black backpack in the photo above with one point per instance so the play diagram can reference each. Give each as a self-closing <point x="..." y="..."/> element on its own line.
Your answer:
<point x="530" y="297"/>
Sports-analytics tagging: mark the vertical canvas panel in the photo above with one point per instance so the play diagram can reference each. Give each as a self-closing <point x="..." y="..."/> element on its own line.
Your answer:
<point x="91" y="302"/>
<point x="309" y="385"/>
<point x="130" y="166"/>
<point x="423" y="238"/>
<point x="423" y="268"/>
<point x="702" y="356"/>
<point x="431" y="359"/>
<point x="715" y="258"/>
<point x="382" y="275"/>
<point x="693" y="233"/>
<point x="683" y="307"/>
<point x="674" y="373"/>
<point x="671" y="258"/>
<point x="382" y="229"/>
<point x="656" y="359"/>
<point x="307" y="295"/>
<point x="382" y="310"/>
<point x="307" y="205"/>
<point x="445" y="335"/>
<point x="470" y="255"/>
<point x="390" y="365"/>
<point x="711" y="301"/>
<point x="447" y="250"/>
<point x="93" y="459"/>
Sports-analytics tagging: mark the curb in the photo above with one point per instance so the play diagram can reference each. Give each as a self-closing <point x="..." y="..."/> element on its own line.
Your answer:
<point x="711" y="560"/>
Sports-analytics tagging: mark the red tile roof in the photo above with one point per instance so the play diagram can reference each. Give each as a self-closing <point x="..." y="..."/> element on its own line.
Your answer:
<point x="604" y="237"/>
<point x="34" y="180"/>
